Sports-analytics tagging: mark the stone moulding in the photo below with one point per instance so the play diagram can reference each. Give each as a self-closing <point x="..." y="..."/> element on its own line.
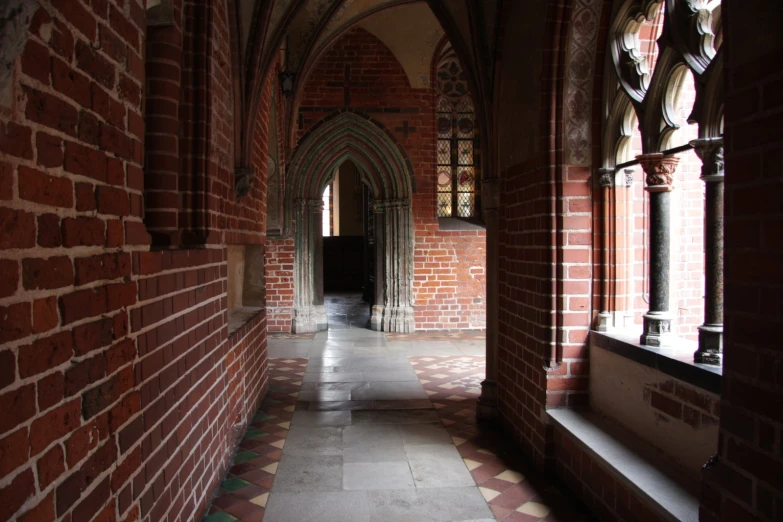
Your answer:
<point x="350" y="136"/>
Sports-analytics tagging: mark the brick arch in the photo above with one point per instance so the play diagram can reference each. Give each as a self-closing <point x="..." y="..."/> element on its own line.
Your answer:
<point x="348" y="135"/>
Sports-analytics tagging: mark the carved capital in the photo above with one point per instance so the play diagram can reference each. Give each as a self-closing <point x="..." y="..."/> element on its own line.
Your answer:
<point x="315" y="205"/>
<point x="242" y="178"/>
<point x="710" y="152"/>
<point x="628" y="177"/>
<point x="490" y="194"/>
<point x="606" y="177"/>
<point x="659" y="171"/>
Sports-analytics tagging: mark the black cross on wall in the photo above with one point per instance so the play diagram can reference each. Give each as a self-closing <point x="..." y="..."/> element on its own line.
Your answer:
<point x="405" y="130"/>
<point x="346" y="84"/>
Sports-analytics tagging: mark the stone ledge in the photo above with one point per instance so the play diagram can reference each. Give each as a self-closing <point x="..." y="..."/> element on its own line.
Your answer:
<point x="675" y="361"/>
<point x="239" y="317"/>
<point x="633" y="463"/>
<point x="446" y="223"/>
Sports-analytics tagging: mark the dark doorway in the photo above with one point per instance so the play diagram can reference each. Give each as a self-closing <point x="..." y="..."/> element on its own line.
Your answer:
<point x="348" y="249"/>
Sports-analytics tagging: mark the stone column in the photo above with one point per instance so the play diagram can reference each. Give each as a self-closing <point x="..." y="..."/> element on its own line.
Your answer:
<point x="309" y="314"/>
<point x="606" y="183"/>
<point x="398" y="266"/>
<point x="376" y="314"/>
<point x="710" y="351"/>
<point x="487" y="407"/>
<point x="659" y="172"/>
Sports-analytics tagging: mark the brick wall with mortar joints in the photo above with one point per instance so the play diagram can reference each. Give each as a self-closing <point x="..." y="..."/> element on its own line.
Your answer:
<point x="451" y="294"/>
<point x="279" y="265"/>
<point x="745" y="483"/>
<point x="595" y="484"/>
<point x="532" y="231"/>
<point x="72" y="214"/>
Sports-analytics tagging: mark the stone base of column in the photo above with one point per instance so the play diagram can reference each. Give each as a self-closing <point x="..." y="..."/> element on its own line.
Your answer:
<point x="710" y="345"/>
<point x="657" y="330"/>
<point x="608" y="321"/>
<point x="487" y="405"/>
<point x="398" y="319"/>
<point x="604" y="322"/>
<point x="310" y="319"/>
<point x="376" y="318"/>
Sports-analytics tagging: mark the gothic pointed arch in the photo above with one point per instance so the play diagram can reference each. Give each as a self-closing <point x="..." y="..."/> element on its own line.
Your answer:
<point x="385" y="169"/>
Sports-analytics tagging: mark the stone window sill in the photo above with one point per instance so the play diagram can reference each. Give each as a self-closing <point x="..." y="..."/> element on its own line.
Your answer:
<point x="633" y="463"/>
<point x="675" y="361"/>
<point x="446" y="223"/>
<point x="239" y="317"/>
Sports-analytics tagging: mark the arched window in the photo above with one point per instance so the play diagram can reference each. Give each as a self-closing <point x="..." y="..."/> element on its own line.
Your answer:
<point x="663" y="106"/>
<point x="457" y="143"/>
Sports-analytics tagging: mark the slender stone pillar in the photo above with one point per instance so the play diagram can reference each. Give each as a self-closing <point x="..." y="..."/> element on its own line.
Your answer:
<point x="487" y="407"/>
<point x="376" y="314"/>
<point x="710" y="351"/>
<point x="659" y="172"/>
<point x="398" y="266"/>
<point x="309" y="314"/>
<point x="606" y="182"/>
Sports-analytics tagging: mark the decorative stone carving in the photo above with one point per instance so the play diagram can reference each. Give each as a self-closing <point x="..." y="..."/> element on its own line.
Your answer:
<point x="579" y="81"/>
<point x="710" y="152"/>
<point x="606" y="177"/>
<point x="628" y="177"/>
<point x="242" y="179"/>
<point x="659" y="171"/>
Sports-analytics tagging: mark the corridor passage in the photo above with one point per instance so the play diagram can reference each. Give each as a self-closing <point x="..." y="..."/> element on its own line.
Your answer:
<point x="364" y="426"/>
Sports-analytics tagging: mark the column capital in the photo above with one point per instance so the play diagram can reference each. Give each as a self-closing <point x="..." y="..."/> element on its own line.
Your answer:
<point x="242" y="179"/>
<point x="315" y="205"/>
<point x="710" y="151"/>
<point x="606" y="177"/>
<point x="628" y="176"/>
<point x="659" y="171"/>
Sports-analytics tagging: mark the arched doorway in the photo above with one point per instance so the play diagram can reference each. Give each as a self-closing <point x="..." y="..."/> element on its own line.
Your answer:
<point x="385" y="170"/>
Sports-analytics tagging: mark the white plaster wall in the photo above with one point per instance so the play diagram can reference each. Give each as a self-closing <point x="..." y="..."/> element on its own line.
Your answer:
<point x="617" y="390"/>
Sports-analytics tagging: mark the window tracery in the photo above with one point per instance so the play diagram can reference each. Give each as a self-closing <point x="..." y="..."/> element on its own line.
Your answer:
<point x="457" y="140"/>
<point x="662" y="98"/>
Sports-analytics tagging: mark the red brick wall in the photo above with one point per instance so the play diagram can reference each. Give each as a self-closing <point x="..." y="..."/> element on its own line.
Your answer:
<point x="746" y="484"/>
<point x="449" y="278"/>
<point x="120" y="386"/>
<point x="545" y="255"/>
<point x="279" y="264"/>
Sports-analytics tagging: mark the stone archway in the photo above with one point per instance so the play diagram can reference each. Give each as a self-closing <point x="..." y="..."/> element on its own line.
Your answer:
<point x="386" y="171"/>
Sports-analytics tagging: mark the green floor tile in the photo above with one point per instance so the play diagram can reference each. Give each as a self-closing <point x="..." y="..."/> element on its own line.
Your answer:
<point x="244" y="457"/>
<point x="262" y="417"/>
<point x="218" y="517"/>
<point x="255" y="434"/>
<point x="234" y="484"/>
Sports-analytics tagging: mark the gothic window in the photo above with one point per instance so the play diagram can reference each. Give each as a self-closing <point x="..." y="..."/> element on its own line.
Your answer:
<point x="663" y="101"/>
<point x="457" y="143"/>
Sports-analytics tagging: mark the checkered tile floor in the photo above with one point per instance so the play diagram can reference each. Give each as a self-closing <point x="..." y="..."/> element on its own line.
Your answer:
<point x="244" y="492"/>
<point x="513" y="489"/>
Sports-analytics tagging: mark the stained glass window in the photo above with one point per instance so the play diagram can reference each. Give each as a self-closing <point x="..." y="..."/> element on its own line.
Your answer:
<point x="457" y="153"/>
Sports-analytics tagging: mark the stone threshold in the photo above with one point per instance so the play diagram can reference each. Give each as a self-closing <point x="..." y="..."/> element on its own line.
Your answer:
<point x="675" y="361"/>
<point x="635" y="464"/>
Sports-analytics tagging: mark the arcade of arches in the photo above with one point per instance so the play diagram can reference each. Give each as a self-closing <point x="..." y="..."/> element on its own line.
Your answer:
<point x="560" y="221"/>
